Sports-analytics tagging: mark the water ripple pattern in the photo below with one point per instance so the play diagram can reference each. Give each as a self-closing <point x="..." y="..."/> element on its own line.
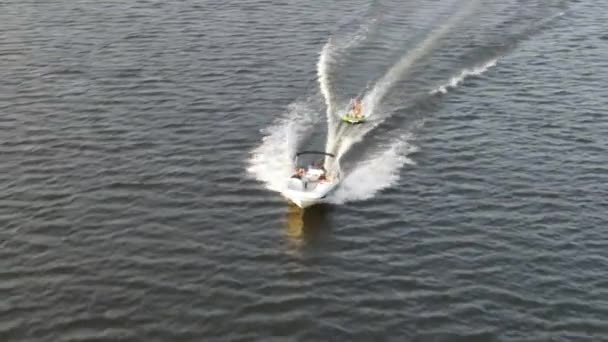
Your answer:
<point x="136" y="203"/>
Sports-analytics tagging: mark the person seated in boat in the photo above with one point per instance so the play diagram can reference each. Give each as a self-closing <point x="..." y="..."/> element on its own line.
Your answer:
<point x="319" y="165"/>
<point x="314" y="171"/>
<point x="299" y="173"/>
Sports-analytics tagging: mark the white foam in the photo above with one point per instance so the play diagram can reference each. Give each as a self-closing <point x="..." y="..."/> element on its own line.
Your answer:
<point x="323" y="74"/>
<point x="458" y="79"/>
<point x="376" y="173"/>
<point x="272" y="161"/>
<point x="330" y="54"/>
<point x="403" y="66"/>
<point x="371" y="101"/>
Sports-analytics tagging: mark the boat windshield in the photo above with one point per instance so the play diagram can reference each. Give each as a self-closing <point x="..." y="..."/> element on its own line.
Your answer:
<point x="312" y="159"/>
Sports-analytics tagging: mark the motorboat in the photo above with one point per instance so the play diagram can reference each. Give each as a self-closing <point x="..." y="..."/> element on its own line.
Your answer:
<point x="311" y="182"/>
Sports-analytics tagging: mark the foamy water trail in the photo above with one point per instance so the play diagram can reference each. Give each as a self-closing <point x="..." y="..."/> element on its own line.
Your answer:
<point x="328" y="57"/>
<point x="272" y="161"/>
<point x="323" y="75"/>
<point x="376" y="173"/>
<point x="458" y="79"/>
<point x="371" y="101"/>
<point x="402" y="67"/>
<point x="382" y="170"/>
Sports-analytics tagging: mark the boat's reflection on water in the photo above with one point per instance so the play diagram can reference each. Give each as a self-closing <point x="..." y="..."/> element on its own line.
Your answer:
<point x="307" y="225"/>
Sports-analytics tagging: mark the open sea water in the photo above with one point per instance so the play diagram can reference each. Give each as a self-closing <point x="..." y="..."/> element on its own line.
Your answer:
<point x="142" y="144"/>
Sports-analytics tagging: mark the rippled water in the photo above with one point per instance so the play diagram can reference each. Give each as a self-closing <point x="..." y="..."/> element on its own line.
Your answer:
<point x="132" y="209"/>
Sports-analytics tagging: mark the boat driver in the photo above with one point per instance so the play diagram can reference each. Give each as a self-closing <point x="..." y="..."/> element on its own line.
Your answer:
<point x="299" y="173"/>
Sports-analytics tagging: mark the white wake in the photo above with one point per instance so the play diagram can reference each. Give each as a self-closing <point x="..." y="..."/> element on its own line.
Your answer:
<point x="458" y="79"/>
<point x="339" y="143"/>
<point x="375" y="173"/>
<point x="272" y="161"/>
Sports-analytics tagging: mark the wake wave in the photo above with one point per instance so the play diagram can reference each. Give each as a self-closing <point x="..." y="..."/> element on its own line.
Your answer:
<point x="330" y="54"/>
<point x="323" y="74"/>
<point x="464" y="74"/>
<point x="341" y="144"/>
<point x="376" y="173"/>
<point x="382" y="170"/>
<point x="272" y="161"/>
<point x="401" y="68"/>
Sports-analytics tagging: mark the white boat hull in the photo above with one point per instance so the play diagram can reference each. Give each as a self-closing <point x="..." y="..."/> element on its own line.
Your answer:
<point x="311" y="185"/>
<point x="305" y="198"/>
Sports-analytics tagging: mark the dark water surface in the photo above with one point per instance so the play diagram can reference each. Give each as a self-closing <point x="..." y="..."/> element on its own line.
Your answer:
<point x="127" y="212"/>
